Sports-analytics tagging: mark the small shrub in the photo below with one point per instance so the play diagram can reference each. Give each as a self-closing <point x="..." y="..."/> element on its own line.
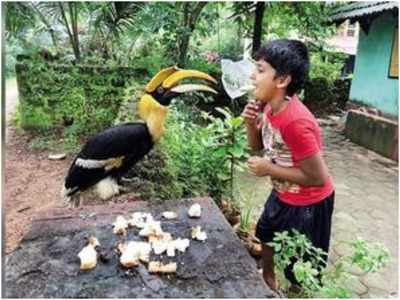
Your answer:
<point x="317" y="281"/>
<point x="324" y="90"/>
<point x="201" y="159"/>
<point x="326" y="65"/>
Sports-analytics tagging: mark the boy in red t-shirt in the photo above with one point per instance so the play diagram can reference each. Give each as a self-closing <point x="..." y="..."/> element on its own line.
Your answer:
<point x="303" y="195"/>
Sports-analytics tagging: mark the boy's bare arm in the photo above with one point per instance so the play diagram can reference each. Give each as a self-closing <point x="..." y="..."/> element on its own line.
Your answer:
<point x="250" y="116"/>
<point x="254" y="137"/>
<point x="312" y="171"/>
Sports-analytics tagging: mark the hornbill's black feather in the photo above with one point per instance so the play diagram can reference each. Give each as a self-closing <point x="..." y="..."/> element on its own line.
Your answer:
<point x="131" y="140"/>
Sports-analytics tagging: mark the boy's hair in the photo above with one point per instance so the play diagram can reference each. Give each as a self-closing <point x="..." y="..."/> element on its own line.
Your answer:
<point x="287" y="57"/>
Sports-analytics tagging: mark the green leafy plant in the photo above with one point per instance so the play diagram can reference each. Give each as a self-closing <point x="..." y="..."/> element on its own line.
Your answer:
<point x="229" y="144"/>
<point x="326" y="65"/>
<point x="186" y="146"/>
<point x="246" y="206"/>
<point x="317" y="281"/>
<point x="202" y="158"/>
<point x="246" y="219"/>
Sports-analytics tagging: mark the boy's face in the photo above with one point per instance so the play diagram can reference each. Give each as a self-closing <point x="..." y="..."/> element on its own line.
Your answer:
<point x="265" y="81"/>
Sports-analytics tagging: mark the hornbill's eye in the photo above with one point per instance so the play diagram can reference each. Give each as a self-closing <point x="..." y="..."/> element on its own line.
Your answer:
<point x="165" y="85"/>
<point x="160" y="90"/>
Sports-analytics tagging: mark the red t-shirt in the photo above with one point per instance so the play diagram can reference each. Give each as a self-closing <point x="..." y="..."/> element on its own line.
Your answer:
<point x="289" y="137"/>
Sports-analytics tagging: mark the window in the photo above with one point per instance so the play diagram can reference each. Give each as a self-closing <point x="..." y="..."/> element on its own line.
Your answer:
<point x="351" y="29"/>
<point x="394" y="61"/>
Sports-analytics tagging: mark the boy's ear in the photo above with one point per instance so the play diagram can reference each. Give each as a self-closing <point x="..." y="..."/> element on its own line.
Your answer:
<point x="284" y="81"/>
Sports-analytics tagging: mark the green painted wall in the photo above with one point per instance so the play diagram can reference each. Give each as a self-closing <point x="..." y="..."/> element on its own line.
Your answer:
<point x="371" y="84"/>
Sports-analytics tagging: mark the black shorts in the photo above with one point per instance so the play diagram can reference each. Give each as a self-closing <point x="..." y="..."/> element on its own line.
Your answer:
<point x="313" y="220"/>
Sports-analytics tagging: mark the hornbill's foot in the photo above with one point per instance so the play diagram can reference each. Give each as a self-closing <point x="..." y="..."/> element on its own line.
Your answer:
<point x="123" y="189"/>
<point x="71" y="201"/>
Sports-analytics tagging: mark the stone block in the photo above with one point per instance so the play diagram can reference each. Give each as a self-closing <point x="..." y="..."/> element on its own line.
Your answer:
<point x="373" y="132"/>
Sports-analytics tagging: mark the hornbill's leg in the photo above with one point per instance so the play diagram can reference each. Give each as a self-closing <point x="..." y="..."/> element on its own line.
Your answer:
<point x="121" y="187"/>
<point x="75" y="200"/>
<point x="72" y="201"/>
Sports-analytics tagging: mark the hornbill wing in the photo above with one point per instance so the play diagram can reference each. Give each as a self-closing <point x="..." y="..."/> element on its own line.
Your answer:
<point x="111" y="151"/>
<point x="121" y="140"/>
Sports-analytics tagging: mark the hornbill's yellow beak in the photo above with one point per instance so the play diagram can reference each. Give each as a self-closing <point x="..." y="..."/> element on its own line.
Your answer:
<point x="165" y="85"/>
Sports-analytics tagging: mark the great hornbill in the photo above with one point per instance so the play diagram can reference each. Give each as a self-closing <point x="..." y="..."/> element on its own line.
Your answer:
<point x="109" y="154"/>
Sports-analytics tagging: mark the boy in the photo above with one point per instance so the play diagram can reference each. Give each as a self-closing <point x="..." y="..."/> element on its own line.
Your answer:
<point x="303" y="194"/>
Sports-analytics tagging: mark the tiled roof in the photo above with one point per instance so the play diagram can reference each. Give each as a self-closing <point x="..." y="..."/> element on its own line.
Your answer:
<point x="360" y="9"/>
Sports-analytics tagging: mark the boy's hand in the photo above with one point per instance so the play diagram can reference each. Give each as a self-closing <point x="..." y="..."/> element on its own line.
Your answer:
<point x="250" y="113"/>
<point x="259" y="166"/>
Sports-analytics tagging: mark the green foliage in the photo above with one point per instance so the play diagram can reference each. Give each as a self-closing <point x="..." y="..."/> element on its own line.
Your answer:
<point x="203" y="65"/>
<point x="188" y="158"/>
<point x="19" y="16"/>
<point x="89" y="97"/>
<point x="319" y="282"/>
<point x="35" y="118"/>
<point x="228" y="143"/>
<point x="306" y="19"/>
<point x="153" y="60"/>
<point x="324" y="87"/>
<point x="325" y="65"/>
<point x="370" y="257"/>
<point x="202" y="159"/>
<point x="43" y="143"/>
<point x="226" y="42"/>
<point x="12" y="49"/>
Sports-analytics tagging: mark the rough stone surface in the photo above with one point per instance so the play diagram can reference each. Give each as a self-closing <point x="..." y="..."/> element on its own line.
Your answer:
<point x="354" y="284"/>
<point x="46" y="264"/>
<point x="373" y="132"/>
<point x="366" y="205"/>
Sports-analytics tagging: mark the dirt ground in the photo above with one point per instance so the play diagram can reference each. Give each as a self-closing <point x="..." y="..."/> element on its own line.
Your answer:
<point x="32" y="183"/>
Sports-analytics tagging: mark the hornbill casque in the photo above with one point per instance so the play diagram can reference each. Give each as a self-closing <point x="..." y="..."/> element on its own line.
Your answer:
<point x="109" y="154"/>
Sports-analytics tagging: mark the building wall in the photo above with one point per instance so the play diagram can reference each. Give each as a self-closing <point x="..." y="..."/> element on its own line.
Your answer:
<point x="371" y="84"/>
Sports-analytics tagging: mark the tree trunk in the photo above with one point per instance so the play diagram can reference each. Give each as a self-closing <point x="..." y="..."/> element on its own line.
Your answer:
<point x="73" y="10"/>
<point x="74" y="43"/>
<point x="48" y="26"/>
<point x="189" y="24"/>
<point x="257" y="29"/>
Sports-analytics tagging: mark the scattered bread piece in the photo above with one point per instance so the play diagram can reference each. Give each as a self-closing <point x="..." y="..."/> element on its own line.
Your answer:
<point x="158" y="267"/>
<point x="159" y="247"/>
<point x="169" y="215"/>
<point x="162" y="237"/>
<point x="197" y="234"/>
<point x="182" y="244"/>
<point x="171" y="249"/>
<point x="133" y="252"/>
<point x="195" y="211"/>
<point x="151" y="228"/>
<point x="139" y="219"/>
<point x="88" y="255"/>
<point x="170" y="246"/>
<point x="120" y="225"/>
